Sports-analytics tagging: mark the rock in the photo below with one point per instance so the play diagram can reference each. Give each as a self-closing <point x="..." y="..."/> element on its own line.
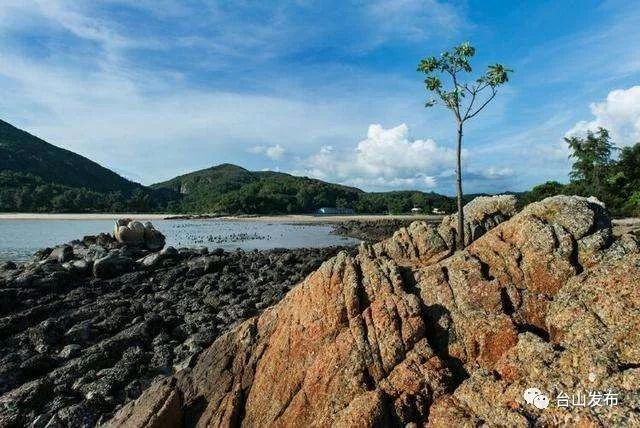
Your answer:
<point x="400" y="334"/>
<point x="153" y="239"/>
<point x="78" y="267"/>
<point x="70" y="351"/>
<point x="62" y="254"/>
<point x="480" y="215"/>
<point x="155" y="259"/>
<point x="111" y="266"/>
<point x="9" y="265"/>
<point x="160" y="406"/>
<point x="134" y="233"/>
<point x="129" y="232"/>
<point x="423" y="243"/>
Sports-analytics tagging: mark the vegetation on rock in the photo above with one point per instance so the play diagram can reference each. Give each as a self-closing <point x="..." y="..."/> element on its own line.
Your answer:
<point x="464" y="99"/>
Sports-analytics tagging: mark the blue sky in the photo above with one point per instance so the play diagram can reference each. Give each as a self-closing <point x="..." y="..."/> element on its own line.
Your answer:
<point x="153" y="89"/>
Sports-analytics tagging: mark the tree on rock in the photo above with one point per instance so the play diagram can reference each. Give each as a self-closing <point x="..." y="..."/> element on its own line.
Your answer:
<point x="464" y="98"/>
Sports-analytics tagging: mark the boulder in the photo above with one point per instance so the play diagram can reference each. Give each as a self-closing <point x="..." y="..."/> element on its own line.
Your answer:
<point x="111" y="266"/>
<point x="61" y="254"/>
<point x="480" y="215"/>
<point x="423" y="243"/>
<point x="153" y="239"/>
<point x="156" y="259"/>
<point x="134" y="233"/>
<point x="8" y="265"/>
<point x="159" y="406"/>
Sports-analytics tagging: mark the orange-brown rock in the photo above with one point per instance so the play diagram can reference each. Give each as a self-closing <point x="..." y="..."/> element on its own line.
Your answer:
<point x="405" y="333"/>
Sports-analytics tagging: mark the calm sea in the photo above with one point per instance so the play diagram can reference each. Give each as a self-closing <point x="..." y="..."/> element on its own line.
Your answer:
<point x="21" y="238"/>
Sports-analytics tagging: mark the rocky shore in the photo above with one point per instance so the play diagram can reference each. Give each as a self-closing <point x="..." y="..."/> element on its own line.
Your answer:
<point x="409" y="332"/>
<point x="86" y="327"/>
<point x="371" y="231"/>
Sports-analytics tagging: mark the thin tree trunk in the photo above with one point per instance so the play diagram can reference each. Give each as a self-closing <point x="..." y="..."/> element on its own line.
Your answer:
<point x="460" y="234"/>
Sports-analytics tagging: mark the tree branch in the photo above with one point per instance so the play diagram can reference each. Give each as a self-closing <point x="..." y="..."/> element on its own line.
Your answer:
<point x="473" y="100"/>
<point x="493" y="94"/>
<point x="455" y="85"/>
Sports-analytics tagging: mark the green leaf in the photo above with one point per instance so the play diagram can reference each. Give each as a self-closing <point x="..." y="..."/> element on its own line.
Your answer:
<point x="497" y="74"/>
<point x="433" y="83"/>
<point x="428" y="65"/>
<point x="465" y="49"/>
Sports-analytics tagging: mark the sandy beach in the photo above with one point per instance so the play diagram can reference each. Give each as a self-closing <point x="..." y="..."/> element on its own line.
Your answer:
<point x="292" y="219"/>
<point x="306" y="219"/>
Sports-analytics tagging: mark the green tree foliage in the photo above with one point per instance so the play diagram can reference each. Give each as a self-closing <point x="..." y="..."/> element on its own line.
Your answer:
<point x="597" y="172"/>
<point x="21" y="152"/>
<point x="231" y="189"/>
<point x="592" y="156"/>
<point x="23" y="192"/>
<point x="464" y="98"/>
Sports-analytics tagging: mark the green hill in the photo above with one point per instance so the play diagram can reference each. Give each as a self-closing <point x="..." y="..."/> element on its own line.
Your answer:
<point x="21" y="152"/>
<point x="231" y="189"/>
<point x="36" y="176"/>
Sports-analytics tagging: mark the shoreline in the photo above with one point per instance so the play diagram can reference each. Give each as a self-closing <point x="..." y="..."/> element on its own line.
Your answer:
<point x="285" y="218"/>
<point x="79" y="216"/>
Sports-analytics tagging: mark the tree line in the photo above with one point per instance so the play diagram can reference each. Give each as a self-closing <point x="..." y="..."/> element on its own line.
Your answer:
<point x="24" y="192"/>
<point x="599" y="169"/>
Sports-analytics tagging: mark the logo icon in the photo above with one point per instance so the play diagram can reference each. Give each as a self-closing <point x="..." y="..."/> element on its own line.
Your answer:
<point x="535" y="397"/>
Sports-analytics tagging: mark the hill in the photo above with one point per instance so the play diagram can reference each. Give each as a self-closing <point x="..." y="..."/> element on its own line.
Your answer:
<point x="36" y="176"/>
<point x="232" y="189"/>
<point x="23" y="153"/>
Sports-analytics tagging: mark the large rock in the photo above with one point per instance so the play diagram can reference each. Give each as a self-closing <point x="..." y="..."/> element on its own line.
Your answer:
<point x="111" y="266"/>
<point x="134" y="233"/>
<point x="422" y="243"/>
<point x="406" y="333"/>
<point x="480" y="215"/>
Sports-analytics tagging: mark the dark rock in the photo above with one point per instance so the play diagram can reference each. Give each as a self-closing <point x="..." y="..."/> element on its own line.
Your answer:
<point x="111" y="266"/>
<point x="78" y="267"/>
<point x="9" y="265"/>
<point x="70" y="351"/>
<point x="62" y="254"/>
<point x="77" y="346"/>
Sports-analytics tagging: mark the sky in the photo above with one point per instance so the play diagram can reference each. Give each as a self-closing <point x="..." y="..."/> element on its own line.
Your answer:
<point x="327" y="89"/>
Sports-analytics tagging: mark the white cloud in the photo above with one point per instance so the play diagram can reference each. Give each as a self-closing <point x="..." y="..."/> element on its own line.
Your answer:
<point x="619" y="113"/>
<point x="387" y="158"/>
<point x="275" y="152"/>
<point x="494" y="173"/>
<point x="413" y="19"/>
<point x="272" y="152"/>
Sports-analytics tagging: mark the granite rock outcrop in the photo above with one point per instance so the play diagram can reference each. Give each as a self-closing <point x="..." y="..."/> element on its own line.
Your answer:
<point x="409" y="332"/>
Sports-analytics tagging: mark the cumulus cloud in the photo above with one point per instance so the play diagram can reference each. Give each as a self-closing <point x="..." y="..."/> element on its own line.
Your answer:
<point x="387" y="158"/>
<point x="619" y="113"/>
<point x="272" y="152"/>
